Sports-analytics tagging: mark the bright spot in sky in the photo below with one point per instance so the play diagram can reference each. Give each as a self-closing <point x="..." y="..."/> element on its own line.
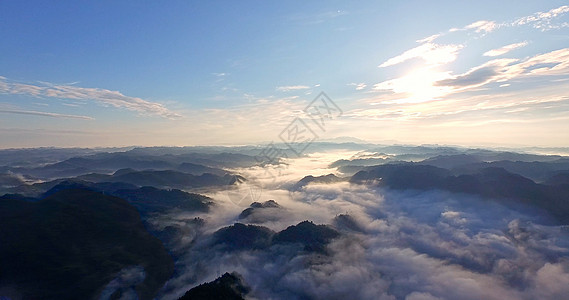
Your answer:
<point x="419" y="85"/>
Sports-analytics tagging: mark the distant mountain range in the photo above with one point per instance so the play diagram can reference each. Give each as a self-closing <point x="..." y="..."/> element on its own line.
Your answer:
<point x="74" y="223"/>
<point x="491" y="182"/>
<point x="136" y="159"/>
<point x="129" y="179"/>
<point x="330" y="178"/>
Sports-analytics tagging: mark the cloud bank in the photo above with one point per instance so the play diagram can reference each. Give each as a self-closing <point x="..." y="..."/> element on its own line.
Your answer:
<point x="408" y="245"/>
<point x="100" y="96"/>
<point x="430" y="81"/>
<point x="431" y="53"/>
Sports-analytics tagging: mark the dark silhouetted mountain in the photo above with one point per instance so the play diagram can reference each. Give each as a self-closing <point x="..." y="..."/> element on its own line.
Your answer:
<point x="351" y="170"/>
<point x="494" y="183"/>
<point x="101" y="163"/>
<point x="163" y="179"/>
<point x="558" y="179"/>
<point x="68" y="185"/>
<point x="172" y="179"/>
<point x="359" y="162"/>
<point x="145" y="199"/>
<point x="17" y="197"/>
<point x="149" y="199"/>
<point x="404" y="176"/>
<point x="240" y="236"/>
<point x="28" y="158"/>
<point x="129" y="179"/>
<point x="233" y="179"/>
<point x="443" y="157"/>
<point x="536" y="170"/>
<point x="123" y="171"/>
<point x="488" y="155"/>
<point x="330" y="178"/>
<point x="106" y="163"/>
<point x="167" y="178"/>
<point x="312" y="237"/>
<point x="72" y="243"/>
<point x="197" y="169"/>
<point x="451" y="161"/>
<point x="10" y="180"/>
<point x="40" y="189"/>
<point x="215" y="157"/>
<point x="227" y="287"/>
<point x="257" y="206"/>
<point x="175" y="236"/>
<point x="347" y="222"/>
<point x="111" y="187"/>
<point x="482" y="154"/>
<point x="417" y="151"/>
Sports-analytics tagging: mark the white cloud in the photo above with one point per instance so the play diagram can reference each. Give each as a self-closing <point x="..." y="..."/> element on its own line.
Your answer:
<point x="483" y="26"/>
<point x="430" y="81"/>
<point x="432" y="54"/>
<point x="426" y="83"/>
<point x="359" y="86"/>
<point x="288" y="88"/>
<point x="417" y="86"/>
<point x="540" y="20"/>
<point x="543" y="20"/>
<point x="500" y="70"/>
<point x="409" y="249"/>
<point x="551" y="63"/>
<point x="429" y="38"/>
<point x="45" y="114"/>
<point x="505" y="49"/>
<point x="101" y="96"/>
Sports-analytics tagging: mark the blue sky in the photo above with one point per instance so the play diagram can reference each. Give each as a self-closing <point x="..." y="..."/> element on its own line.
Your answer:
<point x="118" y="73"/>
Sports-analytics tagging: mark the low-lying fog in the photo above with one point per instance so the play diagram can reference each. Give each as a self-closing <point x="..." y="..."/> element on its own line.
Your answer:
<point x="398" y="244"/>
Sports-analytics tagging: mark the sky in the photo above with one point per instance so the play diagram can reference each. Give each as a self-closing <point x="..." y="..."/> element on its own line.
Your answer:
<point x="182" y="73"/>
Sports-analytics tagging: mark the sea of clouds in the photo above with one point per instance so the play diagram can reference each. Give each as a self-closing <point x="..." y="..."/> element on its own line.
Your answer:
<point x="407" y="244"/>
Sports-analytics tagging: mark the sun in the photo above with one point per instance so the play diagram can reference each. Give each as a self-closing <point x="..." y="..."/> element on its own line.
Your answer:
<point x="419" y="85"/>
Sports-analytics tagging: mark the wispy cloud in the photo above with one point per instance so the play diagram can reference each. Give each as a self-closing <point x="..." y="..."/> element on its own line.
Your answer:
<point x="491" y="71"/>
<point x="220" y="76"/>
<point x="429" y="38"/>
<point x="359" y="86"/>
<point x="431" y="53"/>
<point x="501" y="70"/>
<point x="544" y="20"/>
<point x="45" y="114"/>
<point x="101" y="96"/>
<point x="289" y="88"/>
<point x="505" y="49"/>
<point x="541" y="20"/>
<point x="425" y="84"/>
<point x="483" y="26"/>
<point x="431" y="80"/>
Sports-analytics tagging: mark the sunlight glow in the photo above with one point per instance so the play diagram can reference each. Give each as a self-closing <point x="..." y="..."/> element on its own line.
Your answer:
<point x="417" y="86"/>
